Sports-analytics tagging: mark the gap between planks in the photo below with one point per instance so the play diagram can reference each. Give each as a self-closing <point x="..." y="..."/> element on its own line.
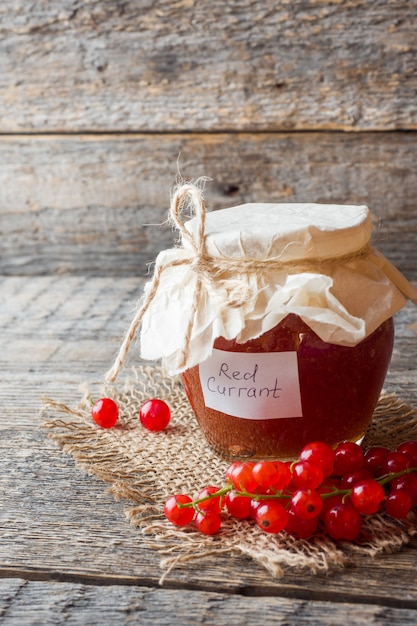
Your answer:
<point x="288" y="591"/>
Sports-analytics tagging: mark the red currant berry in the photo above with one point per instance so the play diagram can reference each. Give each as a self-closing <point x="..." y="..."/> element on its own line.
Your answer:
<point x="231" y="469"/>
<point x="301" y="528"/>
<point x="254" y="506"/>
<point x="175" y="514"/>
<point x="284" y="475"/>
<point x="155" y="415"/>
<point x="407" y="483"/>
<point x="209" y="502"/>
<point x="271" y="516"/>
<point x="343" y="521"/>
<point x="238" y="506"/>
<point x="241" y="477"/>
<point x="105" y="412"/>
<point x="321" y="454"/>
<point x="367" y="496"/>
<point x="398" y="504"/>
<point x="348" y="480"/>
<point x="374" y="459"/>
<point x="307" y="475"/>
<point x="396" y="462"/>
<point x="306" y="503"/>
<point x="208" y="522"/>
<point x="272" y="473"/>
<point x="331" y="501"/>
<point x="410" y="449"/>
<point x="348" y="458"/>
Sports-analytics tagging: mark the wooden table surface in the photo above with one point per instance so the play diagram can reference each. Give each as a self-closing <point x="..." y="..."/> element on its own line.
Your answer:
<point x="66" y="550"/>
<point x="101" y="102"/>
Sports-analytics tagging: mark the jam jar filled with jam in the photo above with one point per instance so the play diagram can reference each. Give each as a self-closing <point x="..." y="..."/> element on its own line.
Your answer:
<point x="337" y="388"/>
<point x="278" y="319"/>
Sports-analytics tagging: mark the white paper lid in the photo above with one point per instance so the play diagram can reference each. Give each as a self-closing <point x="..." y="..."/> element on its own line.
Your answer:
<point x="194" y="299"/>
<point x="288" y="231"/>
<point x="342" y="302"/>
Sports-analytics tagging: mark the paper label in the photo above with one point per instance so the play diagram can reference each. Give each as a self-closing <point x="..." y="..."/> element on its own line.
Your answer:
<point x="252" y="385"/>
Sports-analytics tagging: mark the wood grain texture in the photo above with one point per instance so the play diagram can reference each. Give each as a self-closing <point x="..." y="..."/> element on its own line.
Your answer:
<point x="90" y="205"/>
<point x="98" y="100"/>
<point x="28" y="602"/>
<point x="58" y="524"/>
<point x="249" y="65"/>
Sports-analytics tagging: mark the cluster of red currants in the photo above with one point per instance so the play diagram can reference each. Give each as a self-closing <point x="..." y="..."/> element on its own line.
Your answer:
<point x="323" y="489"/>
<point x="154" y="414"/>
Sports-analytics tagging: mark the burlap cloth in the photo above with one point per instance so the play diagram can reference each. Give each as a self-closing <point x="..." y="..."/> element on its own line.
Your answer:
<point x="145" y="468"/>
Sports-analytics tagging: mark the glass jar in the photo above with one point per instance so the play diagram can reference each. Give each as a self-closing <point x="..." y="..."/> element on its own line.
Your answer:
<point x="278" y="317"/>
<point x="339" y="387"/>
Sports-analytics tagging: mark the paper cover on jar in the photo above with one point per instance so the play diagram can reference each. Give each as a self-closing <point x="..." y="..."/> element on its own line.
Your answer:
<point x="240" y="271"/>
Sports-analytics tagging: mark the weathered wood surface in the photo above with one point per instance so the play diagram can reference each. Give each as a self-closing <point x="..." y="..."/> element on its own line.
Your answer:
<point x="58" y="524"/>
<point x="27" y="602"/>
<point x="98" y="100"/>
<point x="164" y="66"/>
<point x="89" y="205"/>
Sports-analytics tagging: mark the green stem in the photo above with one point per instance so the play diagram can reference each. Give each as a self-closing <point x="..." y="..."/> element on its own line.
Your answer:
<point x="286" y="495"/>
<point x="220" y="493"/>
<point x="278" y="495"/>
<point x="383" y="480"/>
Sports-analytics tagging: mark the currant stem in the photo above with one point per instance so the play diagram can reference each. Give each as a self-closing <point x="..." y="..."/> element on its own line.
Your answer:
<point x="278" y="495"/>
<point x="387" y="478"/>
<point x="286" y="495"/>
<point x="221" y="492"/>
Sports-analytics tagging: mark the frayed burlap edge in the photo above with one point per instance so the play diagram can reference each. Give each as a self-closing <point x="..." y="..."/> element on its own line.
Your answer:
<point x="145" y="468"/>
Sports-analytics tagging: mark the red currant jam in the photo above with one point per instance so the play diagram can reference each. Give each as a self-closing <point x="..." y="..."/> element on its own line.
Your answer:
<point x="339" y="389"/>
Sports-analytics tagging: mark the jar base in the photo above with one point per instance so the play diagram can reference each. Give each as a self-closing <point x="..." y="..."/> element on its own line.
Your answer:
<point x="237" y="453"/>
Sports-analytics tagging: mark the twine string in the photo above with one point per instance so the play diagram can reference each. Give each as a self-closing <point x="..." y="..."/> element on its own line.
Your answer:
<point x="181" y="194"/>
<point x="214" y="272"/>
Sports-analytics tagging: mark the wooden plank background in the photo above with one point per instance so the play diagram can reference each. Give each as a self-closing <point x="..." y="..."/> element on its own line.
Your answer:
<point x="86" y="204"/>
<point x="185" y="65"/>
<point x="102" y="104"/>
